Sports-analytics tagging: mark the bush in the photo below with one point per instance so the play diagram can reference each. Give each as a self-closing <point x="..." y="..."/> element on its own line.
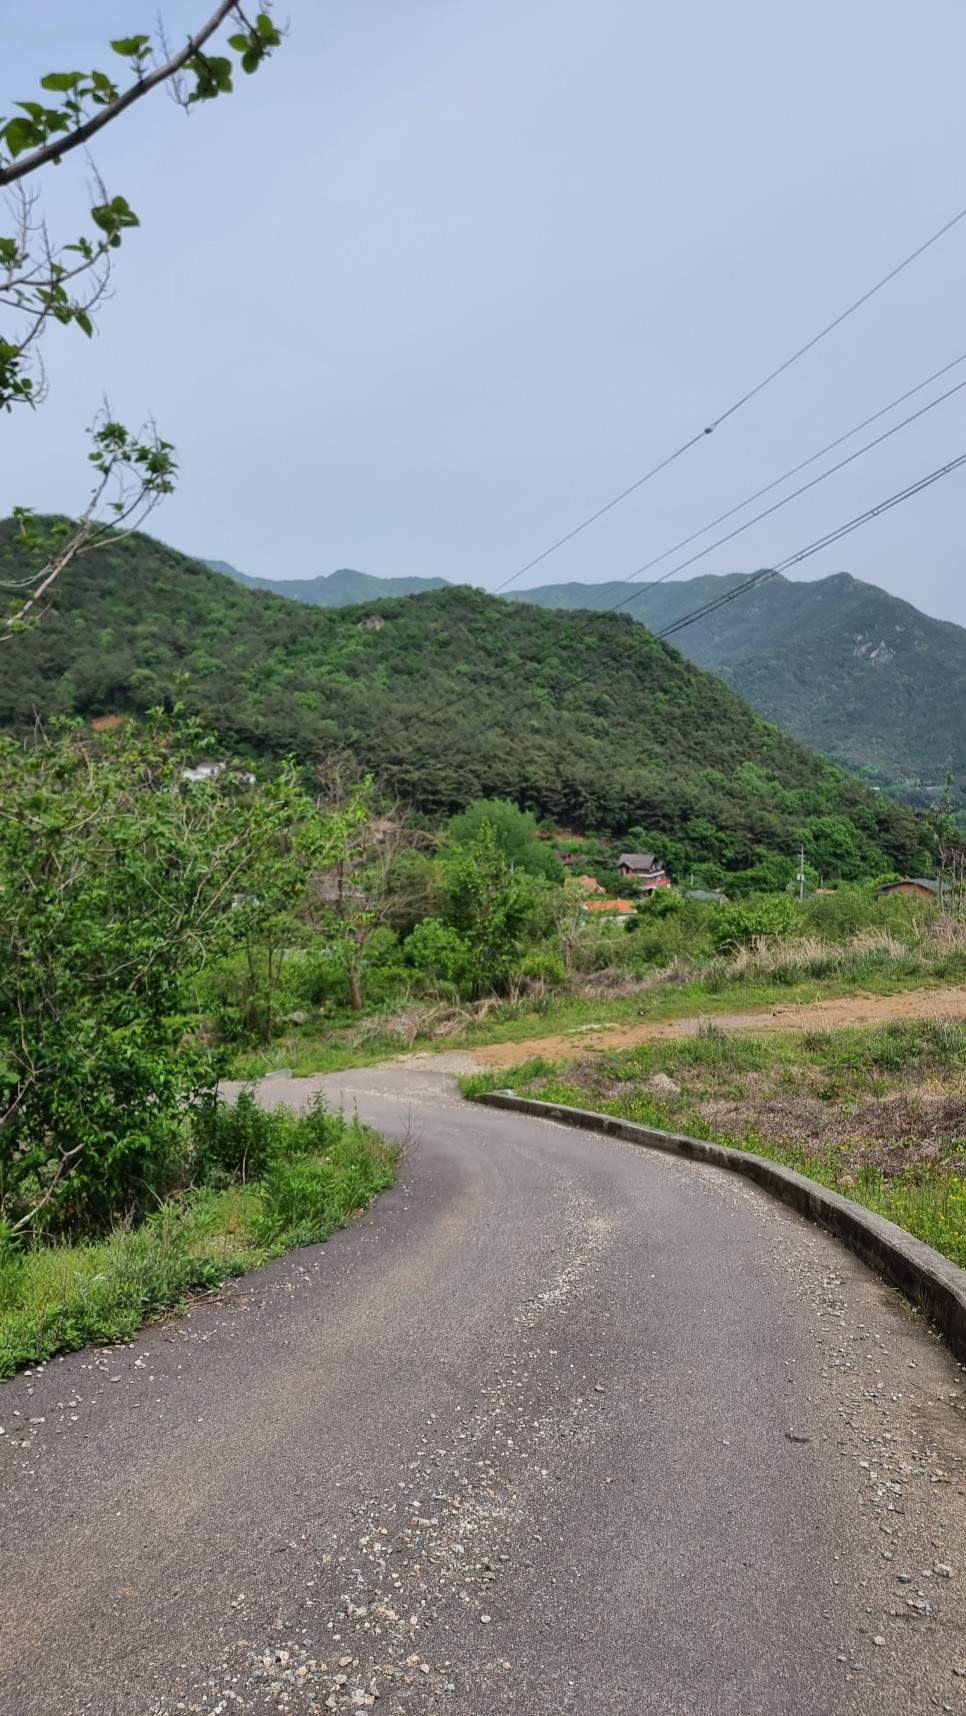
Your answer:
<point x="317" y="1170"/>
<point x="437" y="951"/>
<point x="740" y="925"/>
<point x="232" y="1142"/>
<point x="240" y="1141"/>
<point x="543" y="965"/>
<point x="120" y="884"/>
<point x="663" y="904"/>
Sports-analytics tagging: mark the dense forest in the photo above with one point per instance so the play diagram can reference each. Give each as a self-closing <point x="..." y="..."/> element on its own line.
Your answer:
<point x="849" y="669"/>
<point x="451" y="696"/>
<point x="852" y="671"/>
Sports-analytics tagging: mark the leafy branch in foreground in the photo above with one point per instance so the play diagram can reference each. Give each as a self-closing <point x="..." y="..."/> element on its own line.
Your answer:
<point x="44" y="282"/>
<point x="41" y="281"/>
<point x="133" y="473"/>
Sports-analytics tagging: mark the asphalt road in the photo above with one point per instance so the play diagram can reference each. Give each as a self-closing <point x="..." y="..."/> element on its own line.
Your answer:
<point x="559" y="1426"/>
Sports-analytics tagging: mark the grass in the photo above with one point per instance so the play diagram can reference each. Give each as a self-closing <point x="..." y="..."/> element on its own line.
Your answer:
<point x="510" y="1021"/>
<point x="878" y="1115"/>
<point x="312" y="1173"/>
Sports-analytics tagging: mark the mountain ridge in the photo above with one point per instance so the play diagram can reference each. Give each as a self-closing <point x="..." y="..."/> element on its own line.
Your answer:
<point x="448" y="696"/>
<point x="339" y="589"/>
<point x="847" y="668"/>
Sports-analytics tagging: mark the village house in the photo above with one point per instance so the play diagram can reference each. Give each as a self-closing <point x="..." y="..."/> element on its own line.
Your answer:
<point x="917" y="887"/>
<point x="616" y="909"/>
<point x="645" y="870"/>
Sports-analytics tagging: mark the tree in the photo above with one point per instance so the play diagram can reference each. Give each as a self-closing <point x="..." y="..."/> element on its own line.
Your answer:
<point x="950" y="848"/>
<point x="354" y="893"/>
<point x="43" y="282"/>
<point x="490" y="905"/>
<point x="515" y="832"/>
<point x="120" y="882"/>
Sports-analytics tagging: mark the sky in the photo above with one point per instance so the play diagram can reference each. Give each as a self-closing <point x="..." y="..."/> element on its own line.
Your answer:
<point x="444" y="278"/>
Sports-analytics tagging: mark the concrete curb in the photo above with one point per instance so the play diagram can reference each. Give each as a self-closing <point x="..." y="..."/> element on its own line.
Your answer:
<point x="923" y="1275"/>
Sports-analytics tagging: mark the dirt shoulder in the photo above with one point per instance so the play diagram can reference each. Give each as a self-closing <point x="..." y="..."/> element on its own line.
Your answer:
<point x="861" y="1009"/>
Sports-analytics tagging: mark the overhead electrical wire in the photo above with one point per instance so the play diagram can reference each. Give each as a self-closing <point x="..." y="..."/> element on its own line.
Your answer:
<point x="776" y="482"/>
<point x="758" y="578"/>
<point x="785" y="499"/>
<point x="751" y="393"/>
<point x="589" y="618"/>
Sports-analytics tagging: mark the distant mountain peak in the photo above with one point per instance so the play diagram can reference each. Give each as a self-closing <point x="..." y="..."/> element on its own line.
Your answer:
<point x="339" y="589"/>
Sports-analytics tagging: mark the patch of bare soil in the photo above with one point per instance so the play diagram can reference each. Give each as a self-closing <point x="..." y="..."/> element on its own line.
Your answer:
<point x="947" y="1003"/>
<point x="890" y="1133"/>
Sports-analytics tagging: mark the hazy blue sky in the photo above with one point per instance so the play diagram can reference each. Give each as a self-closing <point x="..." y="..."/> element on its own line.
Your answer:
<point x="445" y="276"/>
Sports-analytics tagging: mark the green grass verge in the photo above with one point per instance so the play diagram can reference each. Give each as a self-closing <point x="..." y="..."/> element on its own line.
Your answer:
<point x="927" y="1199"/>
<point x="314" y="1172"/>
<point x="306" y="1054"/>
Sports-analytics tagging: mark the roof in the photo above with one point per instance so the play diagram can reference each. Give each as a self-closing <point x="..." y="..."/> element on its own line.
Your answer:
<point x="715" y="894"/>
<point x="627" y="907"/>
<point x="639" y="861"/>
<point x="910" y="882"/>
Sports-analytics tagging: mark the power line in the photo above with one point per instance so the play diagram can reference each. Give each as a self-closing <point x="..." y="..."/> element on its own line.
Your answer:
<point x="757" y="578"/>
<point x="578" y="628"/>
<point x="794" y="495"/>
<point x="842" y="530"/>
<point x="838" y="320"/>
<point x="750" y="394"/>
<point x="653" y="472"/>
<point x="785" y="477"/>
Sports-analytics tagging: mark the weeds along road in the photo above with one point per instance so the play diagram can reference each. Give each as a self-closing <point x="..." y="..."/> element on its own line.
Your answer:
<point x="861" y="1010"/>
<point x="560" y="1426"/>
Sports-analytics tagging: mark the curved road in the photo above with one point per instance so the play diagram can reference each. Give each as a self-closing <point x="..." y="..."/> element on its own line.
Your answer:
<point x="559" y="1426"/>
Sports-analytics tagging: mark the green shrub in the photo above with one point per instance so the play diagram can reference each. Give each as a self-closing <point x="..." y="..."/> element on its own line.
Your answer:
<point x="316" y="1171"/>
<point x="736" y="926"/>
<point x="232" y="1141"/>
<point x="543" y="965"/>
<point x="437" y="952"/>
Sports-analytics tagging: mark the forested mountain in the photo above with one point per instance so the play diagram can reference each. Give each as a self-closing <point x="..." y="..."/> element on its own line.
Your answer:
<point x="337" y="590"/>
<point x="450" y="696"/>
<point x="853" y="672"/>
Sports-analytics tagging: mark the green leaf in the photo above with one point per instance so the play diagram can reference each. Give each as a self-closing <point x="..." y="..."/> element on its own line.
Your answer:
<point x="18" y="135"/>
<point x="61" y="82"/>
<point x="84" y="322"/>
<point x="131" y="47"/>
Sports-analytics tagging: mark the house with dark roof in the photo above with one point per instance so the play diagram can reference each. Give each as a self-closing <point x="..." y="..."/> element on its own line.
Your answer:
<point x="917" y="887"/>
<point x="644" y="869"/>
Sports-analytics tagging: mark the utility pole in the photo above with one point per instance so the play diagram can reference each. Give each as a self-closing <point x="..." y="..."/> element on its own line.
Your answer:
<point x="801" y="873"/>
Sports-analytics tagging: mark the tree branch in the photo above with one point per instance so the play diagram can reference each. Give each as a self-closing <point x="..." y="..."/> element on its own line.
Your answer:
<point x="76" y="139"/>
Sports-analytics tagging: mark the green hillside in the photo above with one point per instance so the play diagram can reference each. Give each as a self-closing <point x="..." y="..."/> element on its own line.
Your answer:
<point x="853" y="672"/>
<point x="450" y="696"/>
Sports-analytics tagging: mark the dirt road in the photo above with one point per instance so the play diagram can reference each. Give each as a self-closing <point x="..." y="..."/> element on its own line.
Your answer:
<point x="949" y="1003"/>
<point x="558" y="1427"/>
